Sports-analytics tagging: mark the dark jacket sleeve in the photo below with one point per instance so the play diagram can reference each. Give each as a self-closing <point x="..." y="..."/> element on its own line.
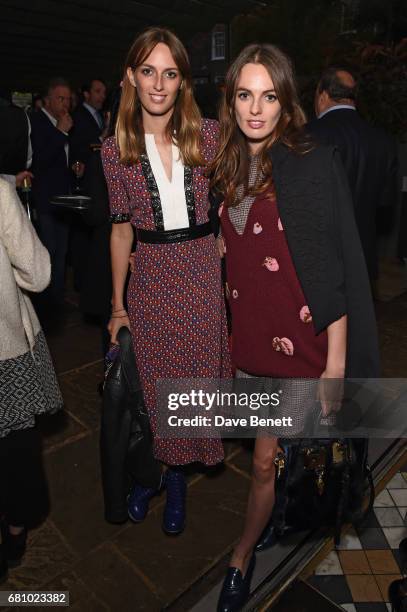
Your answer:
<point x="305" y="193"/>
<point x="47" y="142"/>
<point x="334" y="303"/>
<point x="390" y="186"/>
<point x="79" y="145"/>
<point x="362" y="346"/>
<point x="95" y="187"/>
<point x="84" y="133"/>
<point x="215" y="200"/>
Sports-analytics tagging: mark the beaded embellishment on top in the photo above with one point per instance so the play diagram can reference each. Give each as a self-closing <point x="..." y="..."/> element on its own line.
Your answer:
<point x="154" y="193"/>
<point x="189" y="195"/>
<point x="119" y="218"/>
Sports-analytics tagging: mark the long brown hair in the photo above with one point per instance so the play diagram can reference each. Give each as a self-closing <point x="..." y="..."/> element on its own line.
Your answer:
<point x="231" y="164"/>
<point x="184" y="125"/>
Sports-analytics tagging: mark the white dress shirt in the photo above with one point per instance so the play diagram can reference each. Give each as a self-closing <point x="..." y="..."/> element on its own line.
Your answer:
<point x="336" y="107"/>
<point x="172" y="193"/>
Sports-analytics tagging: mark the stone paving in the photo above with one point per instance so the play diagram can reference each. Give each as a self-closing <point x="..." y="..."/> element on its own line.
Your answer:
<point x="137" y="567"/>
<point x="109" y="567"/>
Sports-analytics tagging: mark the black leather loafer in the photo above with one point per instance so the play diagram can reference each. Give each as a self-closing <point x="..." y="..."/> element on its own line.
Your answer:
<point x="403" y="555"/>
<point x="236" y="589"/>
<point x="397" y="594"/>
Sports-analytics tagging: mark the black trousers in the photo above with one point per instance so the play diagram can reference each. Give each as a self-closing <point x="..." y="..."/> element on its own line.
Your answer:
<point x="53" y="230"/>
<point x="23" y="486"/>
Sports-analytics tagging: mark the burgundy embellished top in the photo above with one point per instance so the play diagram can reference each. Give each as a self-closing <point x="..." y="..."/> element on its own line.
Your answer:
<point x="272" y="329"/>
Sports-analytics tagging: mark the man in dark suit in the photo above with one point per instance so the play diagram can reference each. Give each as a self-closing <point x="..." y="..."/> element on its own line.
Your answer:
<point x="88" y="121"/>
<point x="50" y="129"/>
<point x="369" y="154"/>
<point x="87" y="131"/>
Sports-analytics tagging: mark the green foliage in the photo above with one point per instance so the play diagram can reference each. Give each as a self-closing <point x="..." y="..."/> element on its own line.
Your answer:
<point x="383" y="83"/>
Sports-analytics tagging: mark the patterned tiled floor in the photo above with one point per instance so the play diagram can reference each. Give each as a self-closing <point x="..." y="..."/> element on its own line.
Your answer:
<point x="357" y="574"/>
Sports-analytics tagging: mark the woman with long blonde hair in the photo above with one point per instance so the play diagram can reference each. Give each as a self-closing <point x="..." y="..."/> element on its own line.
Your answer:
<point x="299" y="291"/>
<point x="155" y="171"/>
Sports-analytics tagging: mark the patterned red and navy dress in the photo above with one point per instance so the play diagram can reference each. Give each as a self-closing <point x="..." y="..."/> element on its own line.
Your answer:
<point x="175" y="298"/>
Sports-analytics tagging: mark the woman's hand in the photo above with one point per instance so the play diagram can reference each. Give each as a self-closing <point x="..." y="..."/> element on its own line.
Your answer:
<point x="116" y="322"/>
<point x="132" y="262"/>
<point x="330" y="390"/>
<point x="331" y="386"/>
<point x="121" y="240"/>
<point x="220" y="246"/>
<point x="25" y="174"/>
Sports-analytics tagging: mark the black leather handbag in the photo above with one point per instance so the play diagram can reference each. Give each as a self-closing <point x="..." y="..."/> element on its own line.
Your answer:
<point x="126" y="443"/>
<point x="321" y="482"/>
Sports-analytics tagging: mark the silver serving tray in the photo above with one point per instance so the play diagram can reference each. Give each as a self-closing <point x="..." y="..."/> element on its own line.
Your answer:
<point x="71" y="202"/>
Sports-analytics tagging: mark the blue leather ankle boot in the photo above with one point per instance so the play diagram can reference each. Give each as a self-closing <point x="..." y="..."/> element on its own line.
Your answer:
<point x="138" y="502"/>
<point x="174" y="511"/>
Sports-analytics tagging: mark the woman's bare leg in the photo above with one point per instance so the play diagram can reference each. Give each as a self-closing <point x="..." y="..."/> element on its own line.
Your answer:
<point x="261" y="500"/>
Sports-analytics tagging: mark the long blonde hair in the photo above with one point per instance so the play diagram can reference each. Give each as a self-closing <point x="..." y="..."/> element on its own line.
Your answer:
<point x="184" y="125"/>
<point x="231" y="164"/>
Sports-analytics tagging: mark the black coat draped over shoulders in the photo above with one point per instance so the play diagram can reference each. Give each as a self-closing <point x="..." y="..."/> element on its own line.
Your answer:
<point x="315" y="207"/>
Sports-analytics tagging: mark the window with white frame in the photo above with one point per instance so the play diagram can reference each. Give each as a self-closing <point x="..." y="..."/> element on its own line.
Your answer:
<point x="218" y="42"/>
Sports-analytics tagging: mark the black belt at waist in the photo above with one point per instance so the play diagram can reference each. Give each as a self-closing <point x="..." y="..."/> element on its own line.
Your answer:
<point x="176" y="235"/>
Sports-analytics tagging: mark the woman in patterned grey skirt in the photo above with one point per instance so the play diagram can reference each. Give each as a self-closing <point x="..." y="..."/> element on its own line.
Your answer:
<point x="300" y="298"/>
<point x="28" y="384"/>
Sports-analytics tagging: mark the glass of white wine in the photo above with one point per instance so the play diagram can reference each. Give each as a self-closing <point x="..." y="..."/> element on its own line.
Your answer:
<point x="77" y="170"/>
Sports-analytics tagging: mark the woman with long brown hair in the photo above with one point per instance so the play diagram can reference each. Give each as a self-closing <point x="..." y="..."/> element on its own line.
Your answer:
<point x="155" y="170"/>
<point x="299" y="291"/>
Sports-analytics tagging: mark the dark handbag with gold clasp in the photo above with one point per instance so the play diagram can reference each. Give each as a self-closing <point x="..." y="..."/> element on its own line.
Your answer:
<point x="321" y="482"/>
